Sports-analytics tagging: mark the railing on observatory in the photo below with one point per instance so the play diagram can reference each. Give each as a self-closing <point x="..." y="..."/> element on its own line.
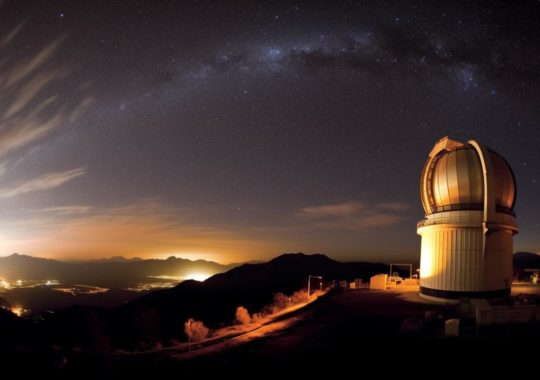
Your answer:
<point x="452" y="217"/>
<point x="463" y="219"/>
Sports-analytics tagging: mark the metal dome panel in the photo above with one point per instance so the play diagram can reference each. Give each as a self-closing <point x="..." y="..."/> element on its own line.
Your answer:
<point x="453" y="179"/>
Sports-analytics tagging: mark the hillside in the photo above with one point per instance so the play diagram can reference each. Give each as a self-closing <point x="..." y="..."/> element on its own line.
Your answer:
<point x="159" y="316"/>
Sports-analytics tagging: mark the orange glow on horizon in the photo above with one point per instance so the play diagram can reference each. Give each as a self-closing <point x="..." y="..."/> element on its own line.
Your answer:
<point x="147" y="230"/>
<point x="17" y="310"/>
<point x="197" y="276"/>
<point x="153" y="230"/>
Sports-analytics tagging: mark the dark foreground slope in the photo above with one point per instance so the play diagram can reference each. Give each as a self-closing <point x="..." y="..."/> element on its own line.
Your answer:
<point x="343" y="331"/>
<point x="158" y="318"/>
<point x="341" y="334"/>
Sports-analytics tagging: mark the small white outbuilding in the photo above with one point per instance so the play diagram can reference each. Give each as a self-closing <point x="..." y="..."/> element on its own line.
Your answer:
<point x="378" y="281"/>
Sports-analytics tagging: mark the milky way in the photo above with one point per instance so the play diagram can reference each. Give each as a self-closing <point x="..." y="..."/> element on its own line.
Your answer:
<point x="238" y="131"/>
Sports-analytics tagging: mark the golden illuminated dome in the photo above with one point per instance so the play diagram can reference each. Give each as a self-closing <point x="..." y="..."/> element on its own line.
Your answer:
<point x="453" y="178"/>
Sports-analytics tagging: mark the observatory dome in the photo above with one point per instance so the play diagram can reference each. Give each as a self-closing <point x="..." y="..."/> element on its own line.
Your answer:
<point x="468" y="192"/>
<point x="453" y="179"/>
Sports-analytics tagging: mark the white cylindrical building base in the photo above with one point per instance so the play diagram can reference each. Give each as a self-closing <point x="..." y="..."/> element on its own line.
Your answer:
<point x="458" y="260"/>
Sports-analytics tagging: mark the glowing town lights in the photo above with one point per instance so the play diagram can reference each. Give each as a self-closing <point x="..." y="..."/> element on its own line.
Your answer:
<point x="197" y="276"/>
<point x="19" y="282"/>
<point x="17" y="310"/>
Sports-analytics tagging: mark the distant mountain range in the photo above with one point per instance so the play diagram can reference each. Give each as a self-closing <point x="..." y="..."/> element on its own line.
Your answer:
<point x="116" y="272"/>
<point x="113" y="259"/>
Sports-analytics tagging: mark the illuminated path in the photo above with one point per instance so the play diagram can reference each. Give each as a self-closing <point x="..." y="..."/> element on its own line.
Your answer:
<point x="324" y="327"/>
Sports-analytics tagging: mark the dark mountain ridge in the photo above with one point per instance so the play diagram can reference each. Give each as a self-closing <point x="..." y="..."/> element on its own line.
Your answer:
<point x="525" y="263"/>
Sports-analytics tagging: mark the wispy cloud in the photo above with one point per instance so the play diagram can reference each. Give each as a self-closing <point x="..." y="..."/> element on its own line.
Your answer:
<point x="394" y="206"/>
<point x="24" y="69"/>
<point x="16" y="134"/>
<point x="43" y="182"/>
<point x="12" y="34"/>
<point x="3" y="167"/>
<point x="64" y="210"/>
<point x="30" y="105"/>
<point x="352" y="215"/>
<point x="336" y="209"/>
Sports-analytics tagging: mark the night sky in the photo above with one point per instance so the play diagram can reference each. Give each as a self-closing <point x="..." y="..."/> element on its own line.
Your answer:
<point x="240" y="130"/>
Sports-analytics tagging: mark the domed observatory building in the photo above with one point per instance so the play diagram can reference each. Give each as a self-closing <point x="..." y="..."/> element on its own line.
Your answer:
<point x="468" y="192"/>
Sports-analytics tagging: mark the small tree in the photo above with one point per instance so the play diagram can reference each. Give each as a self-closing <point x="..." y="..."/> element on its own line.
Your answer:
<point x="195" y="330"/>
<point x="242" y="316"/>
<point x="281" y="301"/>
<point x="299" y="297"/>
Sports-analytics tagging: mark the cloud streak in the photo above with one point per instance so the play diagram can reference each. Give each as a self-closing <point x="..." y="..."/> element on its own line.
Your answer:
<point x="65" y="210"/>
<point x="43" y="182"/>
<point x="21" y="132"/>
<point x="11" y="35"/>
<point x="352" y="215"/>
<point x="23" y="70"/>
<point x="30" y="105"/>
<point x="331" y="210"/>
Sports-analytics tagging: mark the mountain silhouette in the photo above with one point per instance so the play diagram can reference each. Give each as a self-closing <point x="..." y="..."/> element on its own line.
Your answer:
<point x="289" y="272"/>
<point x="116" y="272"/>
<point x="525" y="261"/>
